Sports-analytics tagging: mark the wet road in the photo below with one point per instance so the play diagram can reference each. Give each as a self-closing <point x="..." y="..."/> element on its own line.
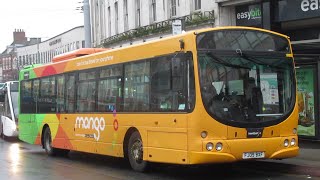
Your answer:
<point x="23" y="161"/>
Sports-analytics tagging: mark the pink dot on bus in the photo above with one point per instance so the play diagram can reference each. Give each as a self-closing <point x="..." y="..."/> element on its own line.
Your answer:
<point x="114" y="113"/>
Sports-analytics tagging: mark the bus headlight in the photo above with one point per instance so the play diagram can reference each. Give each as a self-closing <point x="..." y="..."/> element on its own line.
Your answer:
<point x="286" y="143"/>
<point x="219" y="146"/>
<point x="209" y="146"/>
<point x="293" y="142"/>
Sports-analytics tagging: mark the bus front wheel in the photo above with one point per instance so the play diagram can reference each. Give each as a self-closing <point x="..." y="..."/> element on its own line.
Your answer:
<point x="135" y="153"/>
<point x="47" y="142"/>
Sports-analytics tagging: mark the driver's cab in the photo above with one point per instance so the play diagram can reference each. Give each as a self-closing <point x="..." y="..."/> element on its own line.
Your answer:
<point x="234" y="94"/>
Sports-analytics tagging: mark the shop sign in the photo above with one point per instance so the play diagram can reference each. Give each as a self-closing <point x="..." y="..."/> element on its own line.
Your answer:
<point x="249" y="15"/>
<point x="298" y="9"/>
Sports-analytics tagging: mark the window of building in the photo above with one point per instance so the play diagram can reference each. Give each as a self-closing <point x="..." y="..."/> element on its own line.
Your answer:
<point x="126" y="15"/>
<point x="173" y="7"/>
<point x="138" y="15"/>
<point x="77" y="44"/>
<point x="103" y="19"/>
<point x="116" y="17"/>
<point x="109" y="21"/>
<point x="197" y="4"/>
<point x="153" y="11"/>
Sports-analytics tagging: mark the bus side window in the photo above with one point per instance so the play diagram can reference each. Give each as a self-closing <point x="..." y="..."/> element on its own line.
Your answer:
<point x="169" y="80"/>
<point x="179" y="82"/>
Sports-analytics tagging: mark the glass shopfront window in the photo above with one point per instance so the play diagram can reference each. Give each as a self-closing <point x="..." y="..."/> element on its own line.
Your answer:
<point x="306" y="100"/>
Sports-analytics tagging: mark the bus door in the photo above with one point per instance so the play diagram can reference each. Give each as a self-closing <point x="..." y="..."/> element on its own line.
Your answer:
<point x="28" y="109"/>
<point x="35" y="106"/>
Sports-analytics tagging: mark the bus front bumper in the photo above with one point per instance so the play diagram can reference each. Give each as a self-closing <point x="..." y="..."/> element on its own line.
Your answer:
<point x="236" y="150"/>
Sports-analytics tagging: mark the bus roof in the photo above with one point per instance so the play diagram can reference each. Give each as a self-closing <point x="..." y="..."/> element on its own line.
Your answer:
<point x="77" y="53"/>
<point x="97" y="57"/>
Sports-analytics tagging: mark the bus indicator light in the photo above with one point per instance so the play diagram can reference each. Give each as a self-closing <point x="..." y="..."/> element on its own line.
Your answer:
<point x="286" y="143"/>
<point x="204" y="134"/>
<point x="219" y="146"/>
<point x="293" y="142"/>
<point x="294" y="131"/>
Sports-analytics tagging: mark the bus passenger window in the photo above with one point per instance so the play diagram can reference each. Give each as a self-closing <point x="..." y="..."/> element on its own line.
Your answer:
<point x="70" y="93"/>
<point x="137" y="87"/>
<point x="168" y="87"/>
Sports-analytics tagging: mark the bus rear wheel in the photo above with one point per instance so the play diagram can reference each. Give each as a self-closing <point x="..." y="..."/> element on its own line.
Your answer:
<point x="135" y="153"/>
<point x="47" y="143"/>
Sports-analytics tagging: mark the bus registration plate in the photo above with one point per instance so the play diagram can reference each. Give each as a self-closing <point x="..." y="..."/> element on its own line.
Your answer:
<point x="253" y="155"/>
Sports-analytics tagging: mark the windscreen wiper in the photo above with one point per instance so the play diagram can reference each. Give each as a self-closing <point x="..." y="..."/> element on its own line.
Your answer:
<point x="223" y="62"/>
<point x="255" y="60"/>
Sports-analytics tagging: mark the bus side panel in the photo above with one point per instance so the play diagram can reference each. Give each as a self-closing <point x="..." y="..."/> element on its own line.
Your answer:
<point x="111" y="142"/>
<point x="53" y="122"/>
<point x="170" y="147"/>
<point x="164" y="137"/>
<point x="25" y="130"/>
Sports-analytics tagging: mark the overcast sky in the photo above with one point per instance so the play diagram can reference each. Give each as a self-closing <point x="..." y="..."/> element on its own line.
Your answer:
<point x="38" y="18"/>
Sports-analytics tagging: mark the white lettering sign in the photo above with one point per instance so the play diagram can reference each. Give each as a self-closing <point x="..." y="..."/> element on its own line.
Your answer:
<point x="94" y="123"/>
<point x="93" y="61"/>
<point x="307" y="5"/>
<point x="254" y="13"/>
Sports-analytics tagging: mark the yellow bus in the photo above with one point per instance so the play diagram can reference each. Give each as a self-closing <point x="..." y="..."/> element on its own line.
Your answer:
<point x="207" y="96"/>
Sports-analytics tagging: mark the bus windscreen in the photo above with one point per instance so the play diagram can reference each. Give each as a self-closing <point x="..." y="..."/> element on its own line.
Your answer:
<point x="243" y="40"/>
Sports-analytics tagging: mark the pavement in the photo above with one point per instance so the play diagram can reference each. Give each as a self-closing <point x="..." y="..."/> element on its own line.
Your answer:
<point x="309" y="154"/>
<point x="306" y="163"/>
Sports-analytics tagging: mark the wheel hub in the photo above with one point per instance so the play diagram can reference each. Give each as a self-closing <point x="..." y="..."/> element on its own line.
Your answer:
<point x="137" y="151"/>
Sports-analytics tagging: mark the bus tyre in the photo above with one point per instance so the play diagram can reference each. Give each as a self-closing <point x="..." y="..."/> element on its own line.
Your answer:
<point x="135" y="153"/>
<point x="47" y="142"/>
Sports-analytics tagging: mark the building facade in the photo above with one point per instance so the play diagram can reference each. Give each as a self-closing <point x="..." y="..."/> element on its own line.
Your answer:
<point x="8" y="58"/>
<point x="117" y="23"/>
<point x="23" y="52"/>
<point x="43" y="52"/>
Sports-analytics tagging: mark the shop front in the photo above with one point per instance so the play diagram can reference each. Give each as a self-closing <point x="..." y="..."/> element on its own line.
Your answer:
<point x="307" y="86"/>
<point x="300" y="20"/>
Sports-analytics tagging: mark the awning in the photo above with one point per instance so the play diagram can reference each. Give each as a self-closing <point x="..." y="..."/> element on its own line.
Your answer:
<point x="306" y="46"/>
<point x="233" y="2"/>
